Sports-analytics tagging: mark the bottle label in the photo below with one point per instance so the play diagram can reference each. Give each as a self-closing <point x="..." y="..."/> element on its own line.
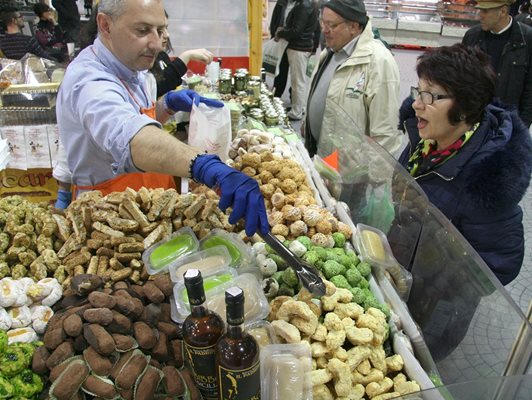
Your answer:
<point x="242" y="384"/>
<point x="202" y="362"/>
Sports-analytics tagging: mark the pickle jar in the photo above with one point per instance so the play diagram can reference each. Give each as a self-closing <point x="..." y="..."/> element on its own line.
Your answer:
<point x="241" y="83"/>
<point x="254" y="90"/>
<point x="271" y="118"/>
<point x="224" y="84"/>
<point x="256" y="113"/>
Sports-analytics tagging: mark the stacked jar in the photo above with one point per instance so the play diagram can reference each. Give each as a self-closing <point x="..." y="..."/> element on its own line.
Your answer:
<point x="225" y="85"/>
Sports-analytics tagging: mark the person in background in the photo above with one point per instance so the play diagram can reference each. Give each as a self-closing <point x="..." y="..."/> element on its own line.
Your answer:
<point x="471" y="155"/>
<point x="87" y="5"/>
<point x="524" y="15"/>
<point x="69" y="18"/>
<point x="48" y="32"/>
<point x="358" y="74"/>
<point x="509" y="45"/>
<point x="13" y="43"/>
<point x="111" y="130"/>
<point x="294" y="21"/>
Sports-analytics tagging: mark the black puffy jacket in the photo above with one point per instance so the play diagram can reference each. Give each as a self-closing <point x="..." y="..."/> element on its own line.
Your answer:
<point x="479" y="189"/>
<point x="299" y="25"/>
<point x="514" y="80"/>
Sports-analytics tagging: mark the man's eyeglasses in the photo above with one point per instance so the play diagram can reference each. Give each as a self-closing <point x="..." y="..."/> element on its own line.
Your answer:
<point x="427" y="97"/>
<point x="19" y="16"/>
<point x="330" y="25"/>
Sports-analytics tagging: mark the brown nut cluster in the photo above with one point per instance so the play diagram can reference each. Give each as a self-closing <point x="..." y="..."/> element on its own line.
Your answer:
<point x="110" y="342"/>
<point x="28" y="239"/>
<point x="106" y="236"/>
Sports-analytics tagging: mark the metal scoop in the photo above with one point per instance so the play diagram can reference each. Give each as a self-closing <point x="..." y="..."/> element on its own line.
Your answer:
<point x="306" y="273"/>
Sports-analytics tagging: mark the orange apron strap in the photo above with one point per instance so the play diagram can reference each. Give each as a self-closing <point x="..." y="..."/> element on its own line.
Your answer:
<point x="134" y="181"/>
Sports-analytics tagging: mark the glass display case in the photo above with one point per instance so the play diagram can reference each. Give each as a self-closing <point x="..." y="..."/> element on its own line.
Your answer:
<point x="422" y="22"/>
<point x="463" y="325"/>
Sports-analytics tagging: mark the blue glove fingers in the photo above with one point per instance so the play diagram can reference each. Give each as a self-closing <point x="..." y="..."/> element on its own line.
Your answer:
<point x="264" y="226"/>
<point x="212" y="102"/>
<point x="226" y="199"/>
<point x="240" y="204"/>
<point x="180" y="100"/>
<point x="63" y="199"/>
<point x="196" y="98"/>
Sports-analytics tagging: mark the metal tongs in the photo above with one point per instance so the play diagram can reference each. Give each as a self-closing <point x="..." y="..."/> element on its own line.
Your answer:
<point x="306" y="273"/>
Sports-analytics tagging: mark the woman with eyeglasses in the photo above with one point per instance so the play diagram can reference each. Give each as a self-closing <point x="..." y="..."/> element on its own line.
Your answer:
<point x="471" y="154"/>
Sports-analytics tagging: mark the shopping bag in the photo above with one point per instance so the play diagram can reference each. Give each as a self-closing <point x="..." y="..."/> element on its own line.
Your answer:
<point x="272" y="53"/>
<point x="210" y="129"/>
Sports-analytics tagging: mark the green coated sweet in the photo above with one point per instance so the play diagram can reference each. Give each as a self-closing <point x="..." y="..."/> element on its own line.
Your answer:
<point x="233" y="250"/>
<point x="6" y="388"/>
<point x="12" y="361"/>
<point x="27" y="384"/>
<point x="169" y="251"/>
<point x="27" y="348"/>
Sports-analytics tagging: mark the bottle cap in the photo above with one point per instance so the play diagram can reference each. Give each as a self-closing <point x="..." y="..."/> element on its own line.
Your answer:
<point x="234" y="304"/>
<point x="194" y="286"/>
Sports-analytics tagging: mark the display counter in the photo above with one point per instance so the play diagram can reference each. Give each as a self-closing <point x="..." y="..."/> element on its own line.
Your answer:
<point x="472" y="329"/>
<point x="423" y="23"/>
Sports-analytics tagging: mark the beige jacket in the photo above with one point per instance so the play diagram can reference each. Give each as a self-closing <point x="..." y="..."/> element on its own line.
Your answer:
<point x="363" y="97"/>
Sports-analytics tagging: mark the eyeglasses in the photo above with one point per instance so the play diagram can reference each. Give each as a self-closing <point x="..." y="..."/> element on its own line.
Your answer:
<point x="330" y="25"/>
<point x="19" y="16"/>
<point x="427" y="97"/>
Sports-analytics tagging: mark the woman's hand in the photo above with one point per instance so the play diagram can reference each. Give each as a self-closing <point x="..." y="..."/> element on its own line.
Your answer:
<point x="201" y="55"/>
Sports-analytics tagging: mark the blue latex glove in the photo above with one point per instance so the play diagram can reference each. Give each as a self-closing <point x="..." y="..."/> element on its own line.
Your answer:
<point x="64" y="197"/>
<point x="181" y="100"/>
<point x="237" y="190"/>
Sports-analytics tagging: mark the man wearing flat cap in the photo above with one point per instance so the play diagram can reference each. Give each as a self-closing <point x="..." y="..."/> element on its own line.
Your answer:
<point x="358" y="76"/>
<point x="509" y="45"/>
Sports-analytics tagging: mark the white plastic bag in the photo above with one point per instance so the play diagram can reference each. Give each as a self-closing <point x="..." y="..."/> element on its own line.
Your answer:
<point x="272" y="53"/>
<point x="210" y="129"/>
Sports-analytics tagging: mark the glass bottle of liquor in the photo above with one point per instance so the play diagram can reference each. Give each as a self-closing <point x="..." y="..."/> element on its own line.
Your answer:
<point x="201" y="331"/>
<point x="237" y="354"/>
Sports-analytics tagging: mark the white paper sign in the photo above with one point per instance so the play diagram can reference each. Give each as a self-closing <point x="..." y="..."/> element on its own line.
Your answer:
<point x="37" y="148"/>
<point x="17" y="146"/>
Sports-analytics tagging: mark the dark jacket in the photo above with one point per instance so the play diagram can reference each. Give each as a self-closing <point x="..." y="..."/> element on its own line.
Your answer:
<point x="67" y="13"/>
<point x="480" y="187"/>
<point x="167" y="73"/>
<point x="514" y="83"/>
<point x="51" y="38"/>
<point x="299" y="26"/>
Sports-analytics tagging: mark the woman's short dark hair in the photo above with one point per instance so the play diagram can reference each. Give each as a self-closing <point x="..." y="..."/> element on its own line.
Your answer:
<point x="465" y="73"/>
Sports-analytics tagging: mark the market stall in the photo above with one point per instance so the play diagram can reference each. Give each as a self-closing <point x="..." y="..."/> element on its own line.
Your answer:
<point x="94" y="299"/>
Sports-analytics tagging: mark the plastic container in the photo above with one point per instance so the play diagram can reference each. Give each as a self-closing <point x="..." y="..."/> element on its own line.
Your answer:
<point x="256" y="305"/>
<point x="208" y="261"/>
<point x="285" y="371"/>
<point x="242" y="257"/>
<point x="373" y="247"/>
<point x="262" y="331"/>
<point x="160" y="256"/>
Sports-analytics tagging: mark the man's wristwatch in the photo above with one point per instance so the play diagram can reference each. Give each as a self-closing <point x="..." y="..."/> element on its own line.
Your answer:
<point x="167" y="109"/>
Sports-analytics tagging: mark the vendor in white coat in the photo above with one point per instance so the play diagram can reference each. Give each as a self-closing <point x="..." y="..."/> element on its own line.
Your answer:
<point x="356" y="76"/>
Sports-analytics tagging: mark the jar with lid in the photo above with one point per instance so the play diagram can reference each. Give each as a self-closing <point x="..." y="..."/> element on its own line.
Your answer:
<point x="254" y="89"/>
<point x="241" y="82"/>
<point x="224" y="84"/>
<point x="256" y="113"/>
<point x="271" y="118"/>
